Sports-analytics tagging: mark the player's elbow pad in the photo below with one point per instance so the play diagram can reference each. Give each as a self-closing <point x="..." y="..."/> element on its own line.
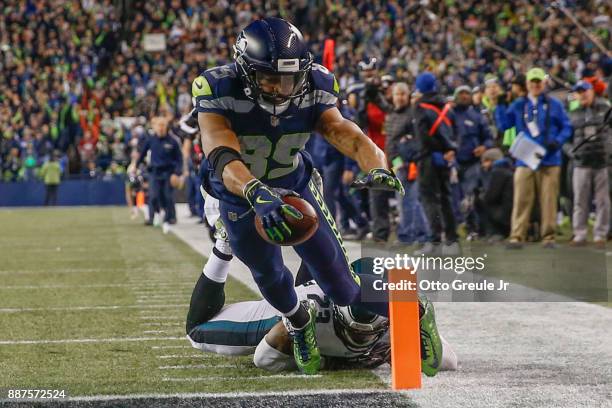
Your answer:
<point x="270" y="359"/>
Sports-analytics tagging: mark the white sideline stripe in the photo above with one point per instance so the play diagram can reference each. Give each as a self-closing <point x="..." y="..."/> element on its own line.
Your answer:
<point x="153" y="300"/>
<point x="204" y="355"/>
<point x="170" y="347"/>
<point x="231" y="378"/>
<point x="68" y="308"/>
<point x="161" y="296"/>
<point x="183" y="367"/>
<point x="100" y="285"/>
<point x="158" y="331"/>
<point x="230" y="394"/>
<point x="108" y="340"/>
<point x="163" y="324"/>
<point x="161" y="317"/>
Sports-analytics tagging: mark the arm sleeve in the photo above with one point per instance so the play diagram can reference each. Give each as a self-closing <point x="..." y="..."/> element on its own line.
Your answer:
<point x="392" y="145"/>
<point x="446" y="134"/>
<point x="422" y="127"/>
<point x="178" y="156"/>
<point x="142" y="152"/>
<point x="504" y="118"/>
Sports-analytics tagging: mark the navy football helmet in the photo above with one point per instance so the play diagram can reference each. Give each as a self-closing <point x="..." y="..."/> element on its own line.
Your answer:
<point x="274" y="63"/>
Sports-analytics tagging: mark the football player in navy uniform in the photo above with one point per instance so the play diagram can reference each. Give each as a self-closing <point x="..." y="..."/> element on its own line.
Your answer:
<point x="255" y="117"/>
<point x="348" y="337"/>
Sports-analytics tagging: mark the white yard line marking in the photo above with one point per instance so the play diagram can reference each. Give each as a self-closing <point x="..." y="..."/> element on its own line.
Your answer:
<point x="231" y="394"/>
<point x="231" y="378"/>
<point x="163" y="324"/>
<point x="156" y="301"/>
<point x="38" y="272"/>
<point x="158" y="331"/>
<point x="161" y="317"/>
<point x="162" y="296"/>
<point x="186" y="367"/>
<point x="171" y="347"/>
<point x="202" y="355"/>
<point x="144" y="311"/>
<point x="108" y="340"/>
<point x="83" y="308"/>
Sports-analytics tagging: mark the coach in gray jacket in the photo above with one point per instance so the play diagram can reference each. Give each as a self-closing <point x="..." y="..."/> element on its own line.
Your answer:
<point x="590" y="165"/>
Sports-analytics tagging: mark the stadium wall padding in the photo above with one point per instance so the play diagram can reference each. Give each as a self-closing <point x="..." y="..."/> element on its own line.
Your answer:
<point x="70" y="192"/>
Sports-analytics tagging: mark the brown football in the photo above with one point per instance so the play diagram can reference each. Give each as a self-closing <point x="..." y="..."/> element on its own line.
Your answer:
<point x="301" y="230"/>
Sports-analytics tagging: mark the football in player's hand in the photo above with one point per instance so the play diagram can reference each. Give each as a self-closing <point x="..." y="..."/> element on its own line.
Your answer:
<point x="301" y="229"/>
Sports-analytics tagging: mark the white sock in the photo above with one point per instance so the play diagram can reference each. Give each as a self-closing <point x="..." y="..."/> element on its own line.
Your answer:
<point x="217" y="267"/>
<point x="449" y="358"/>
<point x="269" y="358"/>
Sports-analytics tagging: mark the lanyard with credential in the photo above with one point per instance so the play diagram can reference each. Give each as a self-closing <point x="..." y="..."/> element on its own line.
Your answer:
<point x="534" y="114"/>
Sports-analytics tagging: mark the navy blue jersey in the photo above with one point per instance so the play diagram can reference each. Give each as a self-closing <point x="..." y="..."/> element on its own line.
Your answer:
<point x="271" y="146"/>
<point x="166" y="155"/>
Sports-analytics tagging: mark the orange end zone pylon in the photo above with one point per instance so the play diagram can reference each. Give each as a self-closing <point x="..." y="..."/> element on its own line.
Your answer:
<point x="405" y="332"/>
<point x="140" y="199"/>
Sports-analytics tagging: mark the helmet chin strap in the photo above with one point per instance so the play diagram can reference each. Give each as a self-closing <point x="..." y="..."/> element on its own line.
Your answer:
<point x="272" y="108"/>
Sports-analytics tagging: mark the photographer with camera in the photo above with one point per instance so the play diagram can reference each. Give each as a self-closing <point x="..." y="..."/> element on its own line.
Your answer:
<point x="372" y="107"/>
<point x="588" y="151"/>
<point x="403" y="148"/>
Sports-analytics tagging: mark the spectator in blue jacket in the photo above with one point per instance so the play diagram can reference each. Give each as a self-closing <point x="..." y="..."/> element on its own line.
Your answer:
<point x="166" y="160"/>
<point x="543" y="119"/>
<point x="473" y="138"/>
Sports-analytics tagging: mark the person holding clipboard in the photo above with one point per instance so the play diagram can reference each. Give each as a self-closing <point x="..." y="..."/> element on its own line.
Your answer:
<point x="541" y="119"/>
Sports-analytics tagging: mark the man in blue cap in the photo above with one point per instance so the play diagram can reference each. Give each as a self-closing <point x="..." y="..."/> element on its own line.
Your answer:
<point x="588" y="152"/>
<point x="435" y="130"/>
<point x="543" y="119"/>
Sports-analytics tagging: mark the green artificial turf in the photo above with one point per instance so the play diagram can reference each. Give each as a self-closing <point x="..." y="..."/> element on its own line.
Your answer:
<point x="99" y="261"/>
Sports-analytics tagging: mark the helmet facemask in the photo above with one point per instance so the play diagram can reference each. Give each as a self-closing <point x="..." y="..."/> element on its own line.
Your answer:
<point x="358" y="331"/>
<point x="272" y="87"/>
<point x="278" y="88"/>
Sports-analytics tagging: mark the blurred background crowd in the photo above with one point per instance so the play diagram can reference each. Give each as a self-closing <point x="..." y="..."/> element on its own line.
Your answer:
<point x="82" y="79"/>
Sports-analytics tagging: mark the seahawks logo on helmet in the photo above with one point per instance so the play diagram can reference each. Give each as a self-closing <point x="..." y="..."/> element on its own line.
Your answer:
<point x="274" y="63"/>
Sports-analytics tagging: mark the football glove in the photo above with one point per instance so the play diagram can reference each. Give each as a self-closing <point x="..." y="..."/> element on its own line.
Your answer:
<point x="269" y="205"/>
<point x="379" y="179"/>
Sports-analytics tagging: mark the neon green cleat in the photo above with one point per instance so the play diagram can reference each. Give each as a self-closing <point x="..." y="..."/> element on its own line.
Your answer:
<point x="431" y="344"/>
<point x="305" y="350"/>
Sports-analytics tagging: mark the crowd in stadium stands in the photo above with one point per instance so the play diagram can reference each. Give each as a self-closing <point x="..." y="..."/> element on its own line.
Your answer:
<point x="78" y="84"/>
